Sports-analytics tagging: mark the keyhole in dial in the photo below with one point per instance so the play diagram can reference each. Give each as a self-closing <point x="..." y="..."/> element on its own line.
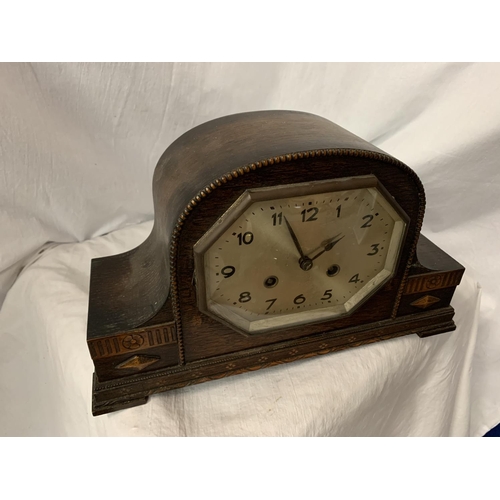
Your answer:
<point x="271" y="282"/>
<point x="333" y="270"/>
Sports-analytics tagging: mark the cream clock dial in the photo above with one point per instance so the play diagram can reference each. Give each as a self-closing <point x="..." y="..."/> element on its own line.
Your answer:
<point x="297" y="254"/>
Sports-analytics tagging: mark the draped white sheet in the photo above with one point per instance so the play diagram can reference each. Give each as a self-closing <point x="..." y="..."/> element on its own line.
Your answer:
<point x="402" y="387"/>
<point x="78" y="146"/>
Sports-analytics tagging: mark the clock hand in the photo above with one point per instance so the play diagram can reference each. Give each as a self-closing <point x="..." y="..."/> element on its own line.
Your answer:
<point x="325" y="243"/>
<point x="294" y="238"/>
<point x="305" y="262"/>
<point x="331" y="243"/>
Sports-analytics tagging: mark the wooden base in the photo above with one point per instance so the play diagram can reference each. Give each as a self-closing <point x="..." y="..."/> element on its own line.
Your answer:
<point x="134" y="390"/>
<point x="112" y="405"/>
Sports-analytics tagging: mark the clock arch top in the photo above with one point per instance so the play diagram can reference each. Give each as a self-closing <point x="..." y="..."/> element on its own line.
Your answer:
<point x="199" y="161"/>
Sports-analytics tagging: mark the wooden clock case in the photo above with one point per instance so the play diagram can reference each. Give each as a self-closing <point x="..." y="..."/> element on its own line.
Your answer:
<point x="145" y="332"/>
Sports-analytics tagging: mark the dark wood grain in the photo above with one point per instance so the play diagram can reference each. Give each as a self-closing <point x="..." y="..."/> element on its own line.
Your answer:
<point x="134" y="390"/>
<point x="204" y="336"/>
<point x="145" y="331"/>
<point x="138" y="280"/>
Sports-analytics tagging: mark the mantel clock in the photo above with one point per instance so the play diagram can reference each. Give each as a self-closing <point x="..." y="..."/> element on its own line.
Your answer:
<point x="278" y="236"/>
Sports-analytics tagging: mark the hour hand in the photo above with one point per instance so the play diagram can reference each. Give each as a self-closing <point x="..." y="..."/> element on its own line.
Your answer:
<point x="328" y="245"/>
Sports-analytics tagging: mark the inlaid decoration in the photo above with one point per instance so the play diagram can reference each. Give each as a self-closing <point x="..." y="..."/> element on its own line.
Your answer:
<point x="138" y="362"/>
<point x="425" y="302"/>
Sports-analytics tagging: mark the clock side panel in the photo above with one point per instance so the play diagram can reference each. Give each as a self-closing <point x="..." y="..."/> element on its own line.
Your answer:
<point x="204" y="337"/>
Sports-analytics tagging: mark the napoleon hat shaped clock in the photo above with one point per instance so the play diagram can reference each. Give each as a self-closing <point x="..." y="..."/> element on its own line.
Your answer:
<point x="278" y="236"/>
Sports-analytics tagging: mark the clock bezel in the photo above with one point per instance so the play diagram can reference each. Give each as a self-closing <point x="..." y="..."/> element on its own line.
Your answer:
<point x="253" y="195"/>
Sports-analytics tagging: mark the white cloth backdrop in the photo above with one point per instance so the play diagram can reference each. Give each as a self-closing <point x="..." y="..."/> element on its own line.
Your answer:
<point x="78" y="146"/>
<point x="402" y="387"/>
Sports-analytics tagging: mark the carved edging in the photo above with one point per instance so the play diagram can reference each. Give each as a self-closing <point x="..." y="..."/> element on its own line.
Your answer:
<point x="433" y="281"/>
<point x="350" y="337"/>
<point x="449" y="326"/>
<point x="133" y="341"/>
<point x="294" y="355"/>
<point x="233" y="174"/>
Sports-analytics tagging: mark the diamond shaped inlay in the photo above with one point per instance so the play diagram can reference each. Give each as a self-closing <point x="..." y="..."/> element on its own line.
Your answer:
<point x="425" y="302"/>
<point x="138" y="362"/>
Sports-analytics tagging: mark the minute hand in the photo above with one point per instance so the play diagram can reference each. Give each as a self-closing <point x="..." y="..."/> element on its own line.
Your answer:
<point x="328" y="246"/>
<point x="294" y="238"/>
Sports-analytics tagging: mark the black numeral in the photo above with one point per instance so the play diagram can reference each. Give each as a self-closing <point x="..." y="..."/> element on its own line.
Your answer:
<point x="327" y="295"/>
<point x="354" y="279"/>
<point x="374" y="249"/>
<point x="228" y="271"/>
<point x="277" y="219"/>
<point x="271" y="304"/>
<point x="312" y="217"/>
<point x="300" y="299"/>
<point x="245" y="297"/>
<point x="245" y="238"/>
<point x="338" y="210"/>
<point x="368" y="219"/>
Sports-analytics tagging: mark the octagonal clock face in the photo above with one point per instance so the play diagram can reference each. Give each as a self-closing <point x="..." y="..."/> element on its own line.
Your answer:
<point x="296" y="254"/>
